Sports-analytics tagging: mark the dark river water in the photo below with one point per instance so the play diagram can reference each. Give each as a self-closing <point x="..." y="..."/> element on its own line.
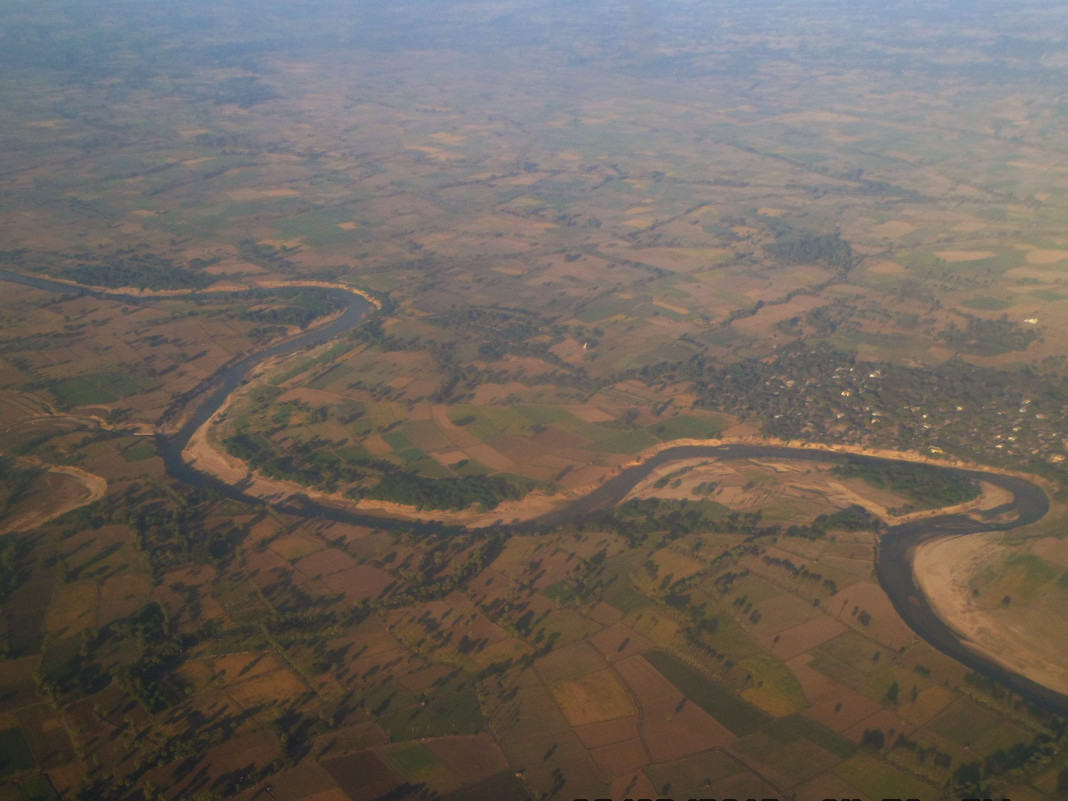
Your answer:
<point x="893" y="564"/>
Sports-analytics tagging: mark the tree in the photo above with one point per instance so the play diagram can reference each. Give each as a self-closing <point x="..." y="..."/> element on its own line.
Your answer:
<point x="873" y="738"/>
<point x="892" y="693"/>
<point x="967" y="779"/>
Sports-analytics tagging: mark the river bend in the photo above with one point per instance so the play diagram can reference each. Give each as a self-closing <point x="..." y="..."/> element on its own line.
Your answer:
<point x="893" y="565"/>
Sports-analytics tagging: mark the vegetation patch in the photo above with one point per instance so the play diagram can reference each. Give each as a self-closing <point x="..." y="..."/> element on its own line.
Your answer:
<point x="983" y="337"/>
<point x="139" y="452"/>
<point x="876" y="779"/>
<point x="294" y="307"/>
<point x="927" y="486"/>
<point x="411" y="761"/>
<point x="802" y="246"/>
<point x="15" y="754"/>
<point x="450" y="707"/>
<point x="689" y="427"/>
<point x="140" y="270"/>
<point x="446" y="493"/>
<point x="986" y="303"/>
<point x="89" y="390"/>
<point x="15" y="484"/>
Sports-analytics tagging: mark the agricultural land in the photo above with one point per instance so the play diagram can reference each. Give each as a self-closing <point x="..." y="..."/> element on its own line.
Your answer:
<point x="585" y="233"/>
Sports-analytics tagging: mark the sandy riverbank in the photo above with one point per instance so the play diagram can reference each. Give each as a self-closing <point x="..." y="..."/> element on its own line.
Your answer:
<point x="206" y="454"/>
<point x="64" y="489"/>
<point x="1014" y="639"/>
<point x="139" y="292"/>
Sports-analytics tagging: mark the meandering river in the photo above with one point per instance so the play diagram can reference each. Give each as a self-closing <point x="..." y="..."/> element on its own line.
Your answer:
<point x="893" y="563"/>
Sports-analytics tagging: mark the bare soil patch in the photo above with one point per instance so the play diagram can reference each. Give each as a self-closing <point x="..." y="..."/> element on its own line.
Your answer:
<point x="598" y="735"/>
<point x="671" y="725"/>
<point x="121" y="596"/>
<point x="798" y="640"/>
<point x="360" y="582"/>
<point x="73" y="607"/>
<point x="325" y="563"/>
<point x="843" y="712"/>
<point x="419" y="680"/>
<point x="1037" y="256"/>
<point x="297" y="546"/>
<point x="59" y="490"/>
<point x="308" y="782"/>
<point x="619" y="758"/>
<point x="592" y="698"/>
<point x="886" y="268"/>
<point x="619" y="641"/>
<point x="1052" y="550"/>
<point x="569" y="662"/>
<point x="970" y="226"/>
<point x="250" y="752"/>
<point x="954" y="256"/>
<point x="236" y="667"/>
<point x="886" y="625"/>
<point x="276" y="687"/>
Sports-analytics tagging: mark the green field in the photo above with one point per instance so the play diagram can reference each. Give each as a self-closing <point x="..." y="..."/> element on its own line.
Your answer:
<point x="411" y="761"/>
<point x="88" y="390"/>
<point x="879" y="780"/>
<point x="139" y="452"/>
<point x="689" y="427"/>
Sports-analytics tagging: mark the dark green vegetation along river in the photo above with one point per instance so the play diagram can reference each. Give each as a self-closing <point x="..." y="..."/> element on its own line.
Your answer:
<point x="893" y="558"/>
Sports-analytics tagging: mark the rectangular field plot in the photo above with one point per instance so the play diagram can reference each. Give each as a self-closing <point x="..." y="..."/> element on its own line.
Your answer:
<point x="734" y="713"/>
<point x="689" y="426"/>
<point x="877" y="779"/>
<point x="795" y="727"/>
<point x="99" y="388"/>
<point x="46" y="735"/>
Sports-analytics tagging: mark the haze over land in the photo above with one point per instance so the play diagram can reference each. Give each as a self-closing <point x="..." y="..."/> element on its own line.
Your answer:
<point x="589" y="231"/>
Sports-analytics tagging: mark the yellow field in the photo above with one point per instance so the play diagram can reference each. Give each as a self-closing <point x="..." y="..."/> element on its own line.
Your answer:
<point x="593" y="698"/>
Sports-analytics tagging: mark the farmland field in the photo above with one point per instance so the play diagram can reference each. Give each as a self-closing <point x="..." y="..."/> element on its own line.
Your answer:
<point x="354" y="302"/>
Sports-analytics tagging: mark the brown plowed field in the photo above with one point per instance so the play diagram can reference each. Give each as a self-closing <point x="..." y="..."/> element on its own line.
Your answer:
<point x="670" y="728"/>
<point x="619" y="758"/>
<point x="608" y="732"/>
<point x="619" y="641"/>
<point x="363" y="776"/>
<point x="800" y="639"/>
